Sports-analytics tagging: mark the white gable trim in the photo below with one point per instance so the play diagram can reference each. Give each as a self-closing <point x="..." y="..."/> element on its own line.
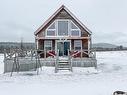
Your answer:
<point x="77" y="20"/>
<point x="62" y="7"/>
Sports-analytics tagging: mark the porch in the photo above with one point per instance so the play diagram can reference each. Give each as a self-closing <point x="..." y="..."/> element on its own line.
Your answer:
<point x="63" y="45"/>
<point x="33" y="61"/>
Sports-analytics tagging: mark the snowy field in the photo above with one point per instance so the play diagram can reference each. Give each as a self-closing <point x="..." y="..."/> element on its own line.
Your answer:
<point x="110" y="76"/>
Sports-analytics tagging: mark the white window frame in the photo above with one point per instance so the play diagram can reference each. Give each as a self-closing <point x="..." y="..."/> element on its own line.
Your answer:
<point x="69" y="29"/>
<point x="57" y="27"/>
<point x="80" y="42"/>
<point x="45" y="44"/>
<point x="62" y="41"/>
<point x="51" y="30"/>
<point x="75" y="29"/>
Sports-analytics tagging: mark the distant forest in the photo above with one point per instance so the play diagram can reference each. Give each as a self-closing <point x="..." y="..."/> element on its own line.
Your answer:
<point x="16" y="45"/>
<point x="118" y="48"/>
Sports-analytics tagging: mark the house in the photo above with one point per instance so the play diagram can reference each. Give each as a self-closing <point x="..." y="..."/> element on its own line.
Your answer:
<point x="64" y="35"/>
<point x="63" y="31"/>
<point x="62" y="41"/>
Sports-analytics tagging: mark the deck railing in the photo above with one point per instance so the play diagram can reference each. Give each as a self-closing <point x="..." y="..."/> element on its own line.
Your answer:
<point x="49" y="53"/>
<point x="16" y="58"/>
<point x="83" y="53"/>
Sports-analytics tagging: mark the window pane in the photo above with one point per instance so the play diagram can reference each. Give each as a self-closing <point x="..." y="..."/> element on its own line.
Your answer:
<point x="62" y="28"/>
<point x="73" y="26"/>
<point x="77" y="44"/>
<point x="52" y="26"/>
<point x="48" y="48"/>
<point x="48" y="45"/>
<point x="77" y="48"/>
<point x="75" y="32"/>
<point x="50" y="32"/>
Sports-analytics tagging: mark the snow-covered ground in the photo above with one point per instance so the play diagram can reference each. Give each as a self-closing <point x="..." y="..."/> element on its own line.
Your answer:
<point x="110" y="76"/>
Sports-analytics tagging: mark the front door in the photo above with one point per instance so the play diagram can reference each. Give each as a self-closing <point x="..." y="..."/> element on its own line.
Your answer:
<point x="63" y="48"/>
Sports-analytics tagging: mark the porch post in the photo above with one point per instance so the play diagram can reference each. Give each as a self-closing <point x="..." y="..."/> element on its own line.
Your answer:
<point x="90" y="42"/>
<point x="81" y="48"/>
<point x="89" y="45"/>
<point x="36" y="44"/>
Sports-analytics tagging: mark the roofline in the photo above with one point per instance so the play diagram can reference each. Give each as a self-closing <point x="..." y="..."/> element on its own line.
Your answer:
<point x="55" y="13"/>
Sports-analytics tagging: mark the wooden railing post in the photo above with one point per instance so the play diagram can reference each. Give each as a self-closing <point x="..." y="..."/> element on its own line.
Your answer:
<point x="5" y="63"/>
<point x="89" y="52"/>
<point x="81" y="53"/>
<point x="4" y="54"/>
<point x="45" y="54"/>
<point x="31" y="54"/>
<point x="56" y="63"/>
<point x="94" y="53"/>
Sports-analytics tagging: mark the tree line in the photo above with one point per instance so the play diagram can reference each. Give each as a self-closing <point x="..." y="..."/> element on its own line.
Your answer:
<point x="118" y="48"/>
<point x="16" y="45"/>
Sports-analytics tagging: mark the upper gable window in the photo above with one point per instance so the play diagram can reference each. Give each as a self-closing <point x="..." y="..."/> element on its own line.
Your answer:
<point x="75" y="31"/>
<point x="73" y="26"/>
<point x="51" y="30"/>
<point x="63" y="28"/>
<point x="52" y="26"/>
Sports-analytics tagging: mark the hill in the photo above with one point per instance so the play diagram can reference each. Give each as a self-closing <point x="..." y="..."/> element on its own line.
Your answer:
<point x="104" y="45"/>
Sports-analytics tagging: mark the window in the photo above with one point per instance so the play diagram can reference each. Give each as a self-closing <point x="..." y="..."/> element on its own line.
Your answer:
<point x="77" y="44"/>
<point x="73" y="26"/>
<point x="62" y="28"/>
<point x="52" y="26"/>
<point x="51" y="30"/>
<point x="48" y="45"/>
<point x="75" y="31"/>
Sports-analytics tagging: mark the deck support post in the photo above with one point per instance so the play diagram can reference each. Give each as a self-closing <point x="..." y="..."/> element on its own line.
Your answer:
<point x="5" y="64"/>
<point x="16" y="65"/>
<point x="45" y="54"/>
<point x="90" y="42"/>
<point x="90" y="45"/>
<point x="81" y="53"/>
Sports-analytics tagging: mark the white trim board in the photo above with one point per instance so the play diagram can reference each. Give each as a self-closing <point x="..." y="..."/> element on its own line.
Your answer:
<point x="69" y="29"/>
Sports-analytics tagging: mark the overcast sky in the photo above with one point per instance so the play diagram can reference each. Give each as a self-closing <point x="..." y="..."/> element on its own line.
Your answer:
<point x="107" y="19"/>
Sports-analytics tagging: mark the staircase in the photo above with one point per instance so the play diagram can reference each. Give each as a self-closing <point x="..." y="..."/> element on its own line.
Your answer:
<point x="63" y="63"/>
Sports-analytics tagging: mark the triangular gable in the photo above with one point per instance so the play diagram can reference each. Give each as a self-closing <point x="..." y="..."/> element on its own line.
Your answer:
<point x="55" y="14"/>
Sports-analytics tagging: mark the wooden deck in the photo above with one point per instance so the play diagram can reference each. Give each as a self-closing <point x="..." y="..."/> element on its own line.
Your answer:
<point x="32" y="62"/>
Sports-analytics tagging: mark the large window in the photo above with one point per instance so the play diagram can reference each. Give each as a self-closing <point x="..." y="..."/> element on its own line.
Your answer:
<point x="75" y="31"/>
<point x="77" y="44"/>
<point x="51" y="30"/>
<point x="62" y="28"/>
<point x="48" y="45"/>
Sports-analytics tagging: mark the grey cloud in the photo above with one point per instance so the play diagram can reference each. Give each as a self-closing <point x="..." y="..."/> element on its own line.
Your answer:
<point x="107" y="19"/>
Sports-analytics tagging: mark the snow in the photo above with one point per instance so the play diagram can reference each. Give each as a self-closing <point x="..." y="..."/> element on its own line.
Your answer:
<point x="110" y="76"/>
<point x="1" y="63"/>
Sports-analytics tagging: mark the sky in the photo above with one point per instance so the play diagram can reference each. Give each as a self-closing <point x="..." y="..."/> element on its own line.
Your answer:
<point x="107" y="19"/>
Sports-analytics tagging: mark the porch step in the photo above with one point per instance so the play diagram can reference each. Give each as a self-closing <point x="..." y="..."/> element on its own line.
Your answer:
<point x="63" y="64"/>
<point x="63" y="69"/>
<point x="63" y="61"/>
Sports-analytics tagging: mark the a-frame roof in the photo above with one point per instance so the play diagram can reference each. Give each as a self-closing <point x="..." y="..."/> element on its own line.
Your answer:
<point x="57" y="12"/>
